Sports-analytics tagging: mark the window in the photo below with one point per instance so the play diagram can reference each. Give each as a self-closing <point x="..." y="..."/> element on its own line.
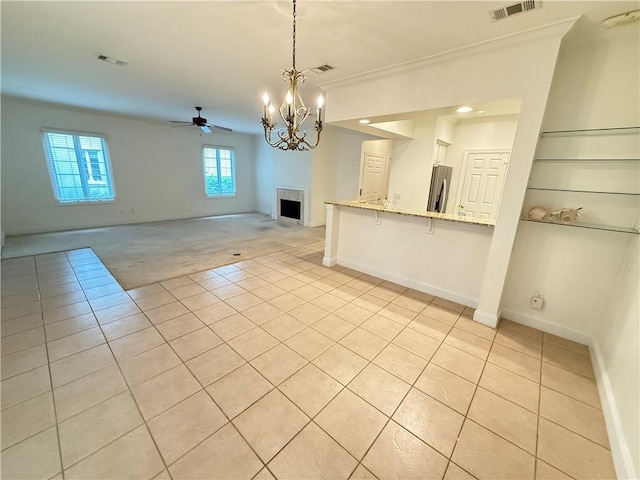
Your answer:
<point x="219" y="171"/>
<point x="79" y="167"/>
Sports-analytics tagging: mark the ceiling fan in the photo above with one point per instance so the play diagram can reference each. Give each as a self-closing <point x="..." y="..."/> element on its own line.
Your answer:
<point x="200" y="122"/>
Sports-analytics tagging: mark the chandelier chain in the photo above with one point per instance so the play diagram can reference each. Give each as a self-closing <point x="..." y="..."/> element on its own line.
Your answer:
<point x="294" y="34"/>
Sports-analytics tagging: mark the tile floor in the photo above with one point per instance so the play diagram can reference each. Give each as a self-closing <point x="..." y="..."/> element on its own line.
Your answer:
<point x="280" y="367"/>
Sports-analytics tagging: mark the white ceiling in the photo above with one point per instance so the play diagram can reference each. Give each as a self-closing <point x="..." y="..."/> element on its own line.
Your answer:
<point x="223" y="54"/>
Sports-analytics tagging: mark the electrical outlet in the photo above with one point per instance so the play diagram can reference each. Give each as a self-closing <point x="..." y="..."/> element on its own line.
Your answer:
<point x="397" y="196"/>
<point x="537" y="302"/>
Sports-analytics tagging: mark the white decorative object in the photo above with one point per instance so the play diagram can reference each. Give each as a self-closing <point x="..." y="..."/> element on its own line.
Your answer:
<point x="565" y="215"/>
<point x="539" y="214"/>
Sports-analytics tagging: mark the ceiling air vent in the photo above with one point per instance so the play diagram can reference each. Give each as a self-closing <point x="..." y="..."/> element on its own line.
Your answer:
<point x="516" y="8"/>
<point x="111" y="60"/>
<point x="321" y="69"/>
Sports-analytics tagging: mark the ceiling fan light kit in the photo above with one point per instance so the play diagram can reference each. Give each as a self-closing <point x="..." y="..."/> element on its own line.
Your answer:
<point x="293" y="111"/>
<point x="201" y="122"/>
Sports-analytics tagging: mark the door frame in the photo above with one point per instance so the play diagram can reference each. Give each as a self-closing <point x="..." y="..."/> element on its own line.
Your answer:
<point x="465" y="165"/>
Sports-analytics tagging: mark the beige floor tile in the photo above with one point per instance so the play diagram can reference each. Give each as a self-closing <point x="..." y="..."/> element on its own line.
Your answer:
<point x="25" y="386"/>
<point x="268" y="291"/>
<point x="244" y="301"/>
<point x="283" y="326"/>
<point x="520" y="343"/>
<point x="510" y="421"/>
<point x="486" y="455"/>
<point x="454" y="472"/>
<point x="513" y="387"/>
<point x="109" y="300"/>
<point x="164" y="475"/>
<point x="476" y="328"/>
<point x="223" y="455"/>
<point x="346" y="293"/>
<point x="400" y="362"/>
<point x="440" y="313"/>
<point x="545" y="471"/>
<point x="214" y="364"/>
<point x="88" y="391"/>
<point x="329" y="302"/>
<point x="200" y="300"/>
<point x="361" y="473"/>
<point x="515" y="362"/>
<point x="252" y="283"/>
<point x="414" y="304"/>
<point x="148" y="364"/>
<point x="232" y="326"/>
<point x="352" y="422"/>
<point x="333" y="327"/>
<point x="571" y="384"/>
<point x="288" y="284"/>
<point x="179" y="326"/>
<point x="136" y="343"/>
<point x="214" y="283"/>
<point x="398" y="314"/>
<point x="310" y="389"/>
<point x="370" y="302"/>
<point x="253" y="343"/>
<point x="27" y="419"/>
<point x="308" y="313"/>
<point x="353" y="313"/>
<point x="36" y="457"/>
<point x="468" y="342"/>
<point x="116" y="312"/>
<point x="154" y="301"/>
<point x="382" y="327"/>
<point x="307" y="292"/>
<point x="202" y="276"/>
<point x="574" y="362"/>
<point x="574" y="415"/>
<point x="448" y="388"/>
<point x="186" y="424"/>
<point x="68" y="311"/>
<point x="313" y="455"/>
<point x="572" y="454"/>
<point x="387" y="291"/>
<point x="286" y="302"/>
<point x="214" y="313"/>
<point x="125" y="326"/>
<point x="87" y="432"/>
<point x="21" y="324"/>
<point x="417" y="343"/>
<point x="278" y="364"/>
<point x="27" y="297"/>
<point x="228" y="291"/>
<point x="102" y="290"/>
<point x="21" y="341"/>
<point x="456" y="307"/>
<point x="309" y="343"/>
<point x="70" y="326"/>
<point x="136" y="454"/>
<point x="77" y="342"/>
<point x="239" y="390"/>
<point x="186" y="291"/>
<point x="262" y="313"/>
<point x="397" y="454"/>
<point x="521" y="329"/>
<point x="381" y="389"/>
<point x="270" y="423"/>
<point x="166" y="312"/>
<point x="24" y="309"/>
<point x="341" y="363"/>
<point x="575" y="347"/>
<point x="363" y="343"/>
<point x="195" y="343"/>
<point x="63" y="300"/>
<point x="430" y="327"/>
<point x="430" y="420"/>
<point x="23" y="361"/>
<point x="165" y="390"/>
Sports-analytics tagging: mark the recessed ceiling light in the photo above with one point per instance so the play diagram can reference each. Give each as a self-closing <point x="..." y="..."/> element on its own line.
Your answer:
<point x="364" y="121"/>
<point x="464" y="109"/>
<point x="481" y="111"/>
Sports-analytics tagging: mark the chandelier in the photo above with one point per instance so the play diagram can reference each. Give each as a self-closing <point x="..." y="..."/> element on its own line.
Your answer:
<point x="293" y="111"/>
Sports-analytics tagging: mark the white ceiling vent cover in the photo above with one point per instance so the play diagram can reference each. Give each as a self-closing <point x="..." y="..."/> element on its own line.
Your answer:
<point x="514" y="9"/>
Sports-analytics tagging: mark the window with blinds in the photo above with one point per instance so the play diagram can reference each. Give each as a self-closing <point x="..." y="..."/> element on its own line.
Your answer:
<point x="79" y="167"/>
<point x="219" y="171"/>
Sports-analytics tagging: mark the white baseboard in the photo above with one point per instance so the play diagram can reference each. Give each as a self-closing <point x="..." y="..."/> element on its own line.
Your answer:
<point x="486" y="318"/>
<point x="619" y="448"/>
<point x="329" y="261"/>
<point x="547" y="326"/>
<point x="316" y="224"/>
<point x="460" y="298"/>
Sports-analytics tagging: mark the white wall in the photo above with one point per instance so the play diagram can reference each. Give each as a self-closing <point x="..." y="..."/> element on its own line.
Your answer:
<point x="157" y="170"/>
<point x="476" y="134"/>
<point x="595" y="86"/>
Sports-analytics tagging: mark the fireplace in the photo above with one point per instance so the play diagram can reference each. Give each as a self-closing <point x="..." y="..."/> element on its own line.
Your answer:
<point x="291" y="205"/>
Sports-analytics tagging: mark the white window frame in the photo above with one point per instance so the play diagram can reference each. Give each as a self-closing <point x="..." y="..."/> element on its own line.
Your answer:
<point x="87" y="176"/>
<point x="217" y="148"/>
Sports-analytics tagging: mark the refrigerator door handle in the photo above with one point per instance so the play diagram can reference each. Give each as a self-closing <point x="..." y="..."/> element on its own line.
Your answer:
<point x="444" y="195"/>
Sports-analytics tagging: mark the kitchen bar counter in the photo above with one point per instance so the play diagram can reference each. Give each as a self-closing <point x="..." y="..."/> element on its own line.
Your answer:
<point x="413" y="213"/>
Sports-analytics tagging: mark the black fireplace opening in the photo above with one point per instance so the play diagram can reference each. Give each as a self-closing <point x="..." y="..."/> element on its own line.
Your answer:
<point x="290" y="209"/>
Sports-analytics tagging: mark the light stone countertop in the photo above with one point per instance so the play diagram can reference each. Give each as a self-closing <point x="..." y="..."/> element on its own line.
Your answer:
<point x="412" y="213"/>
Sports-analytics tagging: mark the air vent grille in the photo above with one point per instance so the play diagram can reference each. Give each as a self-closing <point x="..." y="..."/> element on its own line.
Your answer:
<point x="322" y="69"/>
<point x="111" y="60"/>
<point x="514" y="9"/>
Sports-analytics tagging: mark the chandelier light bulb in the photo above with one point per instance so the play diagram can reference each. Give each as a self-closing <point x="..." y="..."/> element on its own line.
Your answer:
<point x="265" y="98"/>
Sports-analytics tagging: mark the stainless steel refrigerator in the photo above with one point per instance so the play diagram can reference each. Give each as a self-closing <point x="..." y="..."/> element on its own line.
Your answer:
<point x="440" y="188"/>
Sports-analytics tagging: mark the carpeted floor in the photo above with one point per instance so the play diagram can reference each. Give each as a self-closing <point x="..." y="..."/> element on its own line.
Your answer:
<point x="146" y="253"/>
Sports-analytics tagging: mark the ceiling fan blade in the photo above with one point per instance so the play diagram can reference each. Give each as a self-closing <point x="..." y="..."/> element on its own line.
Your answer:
<point x="205" y="129"/>
<point x="219" y="127"/>
<point x="182" y="125"/>
<point x="180" y="121"/>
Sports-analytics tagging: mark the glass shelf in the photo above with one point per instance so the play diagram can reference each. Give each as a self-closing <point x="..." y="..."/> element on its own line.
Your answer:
<point x="593" y="226"/>
<point x="582" y="191"/>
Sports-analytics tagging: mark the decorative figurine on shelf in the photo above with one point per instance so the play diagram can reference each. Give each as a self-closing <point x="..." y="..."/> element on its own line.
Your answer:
<point x="565" y="215"/>
<point x="539" y="214"/>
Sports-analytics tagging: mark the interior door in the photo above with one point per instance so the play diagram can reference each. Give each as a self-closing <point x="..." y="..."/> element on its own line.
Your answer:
<point x="372" y="176"/>
<point x="482" y="183"/>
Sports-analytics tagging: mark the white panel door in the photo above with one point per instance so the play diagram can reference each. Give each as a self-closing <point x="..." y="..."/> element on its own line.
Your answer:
<point x="372" y="176"/>
<point x="483" y="180"/>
